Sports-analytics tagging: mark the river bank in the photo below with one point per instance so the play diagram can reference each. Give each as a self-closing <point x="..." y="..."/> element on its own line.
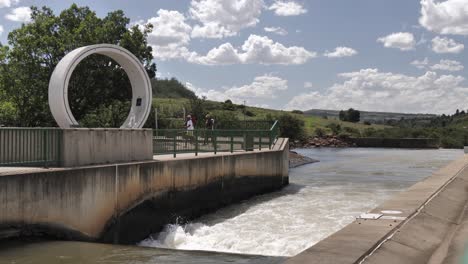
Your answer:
<point x="296" y="160"/>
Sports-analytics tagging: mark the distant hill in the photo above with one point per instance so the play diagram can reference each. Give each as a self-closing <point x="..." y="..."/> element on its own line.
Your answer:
<point x="170" y="88"/>
<point x="375" y="117"/>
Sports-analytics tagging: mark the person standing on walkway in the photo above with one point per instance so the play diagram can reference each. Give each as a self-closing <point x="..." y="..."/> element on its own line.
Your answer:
<point x="209" y="126"/>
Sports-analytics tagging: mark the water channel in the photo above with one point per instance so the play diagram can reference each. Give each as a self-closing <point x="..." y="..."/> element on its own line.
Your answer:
<point x="321" y="198"/>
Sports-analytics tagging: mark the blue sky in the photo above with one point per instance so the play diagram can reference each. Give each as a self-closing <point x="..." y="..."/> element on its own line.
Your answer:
<point x="379" y="55"/>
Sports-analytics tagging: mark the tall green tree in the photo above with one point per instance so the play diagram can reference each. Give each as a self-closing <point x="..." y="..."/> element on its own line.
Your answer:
<point x="98" y="82"/>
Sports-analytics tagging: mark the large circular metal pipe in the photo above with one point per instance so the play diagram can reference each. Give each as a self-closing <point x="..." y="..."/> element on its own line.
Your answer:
<point x="141" y="85"/>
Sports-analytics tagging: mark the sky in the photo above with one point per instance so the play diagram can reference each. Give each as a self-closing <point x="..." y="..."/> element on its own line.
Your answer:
<point x="375" y="55"/>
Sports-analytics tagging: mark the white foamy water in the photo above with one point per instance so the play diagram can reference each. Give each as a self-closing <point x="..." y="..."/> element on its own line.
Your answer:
<point x="321" y="199"/>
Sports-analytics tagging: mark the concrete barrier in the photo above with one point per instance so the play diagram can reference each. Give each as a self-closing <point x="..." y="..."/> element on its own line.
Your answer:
<point x="88" y="146"/>
<point x="124" y="203"/>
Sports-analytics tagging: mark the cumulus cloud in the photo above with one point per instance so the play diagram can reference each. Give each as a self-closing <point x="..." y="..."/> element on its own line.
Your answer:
<point x="221" y="18"/>
<point x="277" y="30"/>
<point x="341" y="52"/>
<point x="448" y="65"/>
<point x="446" y="45"/>
<point x="8" y="3"/>
<point x="262" y="87"/>
<point x="308" y="85"/>
<point x="445" y="17"/>
<point x="287" y="8"/>
<point x="401" y="40"/>
<point x="370" y="89"/>
<point x="19" y="14"/>
<point x="170" y="36"/>
<point x="420" y="64"/>
<point x="256" y="49"/>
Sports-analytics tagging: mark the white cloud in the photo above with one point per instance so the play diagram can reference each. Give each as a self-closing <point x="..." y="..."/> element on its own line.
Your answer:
<point x="420" y="64"/>
<point x="369" y="89"/>
<point x="448" y="65"/>
<point x="1" y="30"/>
<point x="341" y="52"/>
<point x="277" y="30"/>
<point x="287" y="8"/>
<point x="262" y="87"/>
<point x="8" y="3"/>
<point x="19" y="14"/>
<point x="445" y="17"/>
<point x="256" y="49"/>
<point x="222" y="18"/>
<point x="308" y="85"/>
<point x="170" y="36"/>
<point x="400" y="40"/>
<point x="446" y="45"/>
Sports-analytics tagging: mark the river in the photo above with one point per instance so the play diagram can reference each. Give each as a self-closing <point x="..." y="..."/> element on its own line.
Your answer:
<point x="321" y="198"/>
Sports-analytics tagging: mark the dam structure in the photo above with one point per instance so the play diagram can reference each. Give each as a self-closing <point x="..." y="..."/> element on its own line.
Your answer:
<point x="109" y="187"/>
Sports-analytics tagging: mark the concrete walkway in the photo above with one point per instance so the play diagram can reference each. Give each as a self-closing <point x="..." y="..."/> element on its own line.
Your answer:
<point x="428" y="223"/>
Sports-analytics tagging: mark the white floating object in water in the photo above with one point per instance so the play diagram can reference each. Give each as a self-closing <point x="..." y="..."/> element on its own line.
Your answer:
<point x="391" y="212"/>
<point x="370" y="216"/>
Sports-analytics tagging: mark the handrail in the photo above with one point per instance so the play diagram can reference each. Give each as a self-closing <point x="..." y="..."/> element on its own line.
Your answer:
<point x="175" y="141"/>
<point x="25" y="146"/>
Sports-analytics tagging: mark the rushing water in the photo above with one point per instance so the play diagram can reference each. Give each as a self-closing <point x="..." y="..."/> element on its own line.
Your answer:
<point x="321" y="198"/>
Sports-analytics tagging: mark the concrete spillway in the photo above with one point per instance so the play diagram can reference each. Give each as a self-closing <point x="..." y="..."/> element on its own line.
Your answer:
<point x="124" y="203"/>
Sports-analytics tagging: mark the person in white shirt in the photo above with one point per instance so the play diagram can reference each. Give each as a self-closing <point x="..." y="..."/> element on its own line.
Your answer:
<point x="189" y="123"/>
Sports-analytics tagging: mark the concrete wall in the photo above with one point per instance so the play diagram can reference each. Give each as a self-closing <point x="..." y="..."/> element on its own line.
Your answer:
<point x="85" y="146"/>
<point x="396" y="142"/>
<point x="125" y="203"/>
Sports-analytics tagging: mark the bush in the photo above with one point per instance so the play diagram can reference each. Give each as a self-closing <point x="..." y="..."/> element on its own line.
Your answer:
<point x="297" y="112"/>
<point x="335" y="128"/>
<point x="367" y="123"/>
<point x="320" y="132"/>
<point x="291" y="127"/>
<point x="249" y="113"/>
<point x="353" y="132"/>
<point x="228" y="105"/>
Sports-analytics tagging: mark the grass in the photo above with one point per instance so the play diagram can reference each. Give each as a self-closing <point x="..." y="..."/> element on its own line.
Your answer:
<point x="174" y="107"/>
<point x="314" y="122"/>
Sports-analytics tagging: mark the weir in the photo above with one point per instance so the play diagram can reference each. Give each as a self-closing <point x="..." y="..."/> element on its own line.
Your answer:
<point x="126" y="202"/>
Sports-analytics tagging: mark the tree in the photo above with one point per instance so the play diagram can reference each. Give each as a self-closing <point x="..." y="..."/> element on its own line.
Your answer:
<point x="291" y="127"/>
<point x="98" y="82"/>
<point x="351" y="115"/>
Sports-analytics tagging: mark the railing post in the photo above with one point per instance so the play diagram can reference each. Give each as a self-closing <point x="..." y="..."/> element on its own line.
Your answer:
<point x="174" y="144"/>
<point x="260" y="142"/>
<point x="44" y="135"/>
<point x="232" y="143"/>
<point x="196" y="142"/>
<point x="215" y="143"/>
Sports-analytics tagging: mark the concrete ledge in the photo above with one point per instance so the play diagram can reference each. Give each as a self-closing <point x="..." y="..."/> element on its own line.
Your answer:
<point x="432" y="216"/>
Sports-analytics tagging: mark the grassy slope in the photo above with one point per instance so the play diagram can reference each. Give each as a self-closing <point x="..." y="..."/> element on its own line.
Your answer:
<point x="174" y="107"/>
<point x="313" y="122"/>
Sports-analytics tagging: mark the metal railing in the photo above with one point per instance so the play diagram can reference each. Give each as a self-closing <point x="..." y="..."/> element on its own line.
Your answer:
<point x="175" y="141"/>
<point x="30" y="146"/>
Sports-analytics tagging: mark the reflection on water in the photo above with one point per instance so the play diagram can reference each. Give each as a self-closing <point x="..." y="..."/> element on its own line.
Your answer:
<point x="322" y="198"/>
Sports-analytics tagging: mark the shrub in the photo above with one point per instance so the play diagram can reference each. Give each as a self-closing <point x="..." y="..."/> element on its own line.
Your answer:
<point x="335" y="128"/>
<point x="319" y="132"/>
<point x="297" y="112"/>
<point x="291" y="127"/>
